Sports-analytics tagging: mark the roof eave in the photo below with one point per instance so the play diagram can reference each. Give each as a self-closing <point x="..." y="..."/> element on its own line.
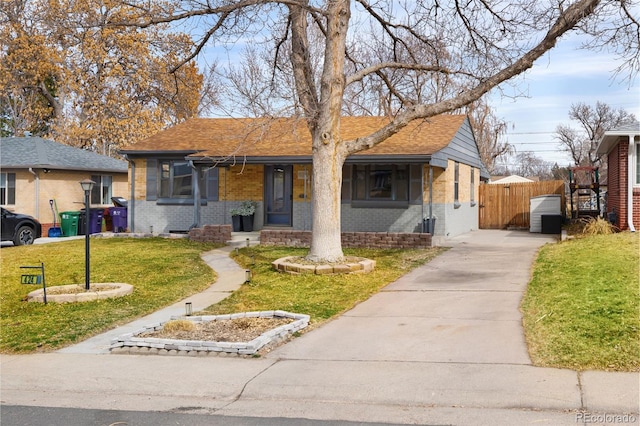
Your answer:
<point x="307" y="159"/>
<point x="150" y="153"/>
<point x="70" y="169"/>
<point x="611" y="139"/>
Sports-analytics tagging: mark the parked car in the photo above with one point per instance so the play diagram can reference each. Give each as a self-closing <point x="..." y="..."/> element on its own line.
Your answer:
<point x="20" y="228"/>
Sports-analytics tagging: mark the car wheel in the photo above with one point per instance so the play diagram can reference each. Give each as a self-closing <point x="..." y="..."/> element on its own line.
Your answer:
<point x="24" y="236"/>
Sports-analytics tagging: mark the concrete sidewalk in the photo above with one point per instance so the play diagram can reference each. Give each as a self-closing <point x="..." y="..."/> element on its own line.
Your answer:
<point x="442" y="345"/>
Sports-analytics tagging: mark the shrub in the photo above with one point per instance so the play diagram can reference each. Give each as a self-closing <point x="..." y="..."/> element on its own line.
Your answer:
<point x="179" y="325"/>
<point x="597" y="226"/>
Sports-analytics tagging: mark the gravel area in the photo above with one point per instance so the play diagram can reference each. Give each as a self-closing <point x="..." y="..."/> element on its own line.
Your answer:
<point x="233" y="330"/>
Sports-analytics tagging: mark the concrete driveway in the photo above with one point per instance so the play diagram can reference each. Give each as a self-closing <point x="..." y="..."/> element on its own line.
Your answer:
<point x="462" y="306"/>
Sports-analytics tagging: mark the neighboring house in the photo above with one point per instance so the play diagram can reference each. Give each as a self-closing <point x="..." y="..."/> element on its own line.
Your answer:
<point x="622" y="147"/>
<point x="511" y="179"/>
<point x="431" y="168"/>
<point x="35" y="170"/>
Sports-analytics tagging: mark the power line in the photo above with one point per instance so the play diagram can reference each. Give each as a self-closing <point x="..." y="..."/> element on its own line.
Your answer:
<point x="529" y="133"/>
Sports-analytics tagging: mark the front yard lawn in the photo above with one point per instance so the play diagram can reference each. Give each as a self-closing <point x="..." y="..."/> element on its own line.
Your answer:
<point x="582" y="307"/>
<point x="162" y="272"/>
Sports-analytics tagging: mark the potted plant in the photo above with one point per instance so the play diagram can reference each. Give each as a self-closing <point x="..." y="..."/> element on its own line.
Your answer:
<point x="236" y="220"/>
<point x="242" y="217"/>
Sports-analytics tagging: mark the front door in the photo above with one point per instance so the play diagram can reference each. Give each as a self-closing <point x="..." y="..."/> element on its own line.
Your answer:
<point x="278" y="197"/>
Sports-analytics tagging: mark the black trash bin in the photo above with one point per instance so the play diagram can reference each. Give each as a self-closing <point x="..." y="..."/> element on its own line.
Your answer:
<point x="428" y="225"/>
<point x="551" y="223"/>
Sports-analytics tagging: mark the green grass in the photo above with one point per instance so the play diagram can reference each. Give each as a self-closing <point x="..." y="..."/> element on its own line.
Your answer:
<point x="581" y="309"/>
<point x="162" y="272"/>
<point x="320" y="296"/>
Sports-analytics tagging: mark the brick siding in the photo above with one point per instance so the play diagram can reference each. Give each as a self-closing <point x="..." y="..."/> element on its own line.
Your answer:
<point x="618" y="175"/>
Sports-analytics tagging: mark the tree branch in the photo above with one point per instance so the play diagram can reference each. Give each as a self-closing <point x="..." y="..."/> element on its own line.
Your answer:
<point x="566" y="21"/>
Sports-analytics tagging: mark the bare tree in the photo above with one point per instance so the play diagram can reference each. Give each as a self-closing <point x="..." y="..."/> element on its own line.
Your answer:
<point x="530" y="165"/>
<point x="488" y="132"/>
<point x="581" y="143"/>
<point x="479" y="44"/>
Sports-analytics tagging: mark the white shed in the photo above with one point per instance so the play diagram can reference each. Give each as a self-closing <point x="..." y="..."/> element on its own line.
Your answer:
<point x="543" y="205"/>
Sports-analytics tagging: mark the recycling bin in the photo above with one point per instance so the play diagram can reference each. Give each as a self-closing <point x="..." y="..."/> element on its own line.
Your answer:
<point x="95" y="221"/>
<point x="118" y="218"/>
<point x="69" y="223"/>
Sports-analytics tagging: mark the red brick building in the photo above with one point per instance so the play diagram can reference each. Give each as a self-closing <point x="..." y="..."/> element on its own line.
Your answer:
<point x="622" y="147"/>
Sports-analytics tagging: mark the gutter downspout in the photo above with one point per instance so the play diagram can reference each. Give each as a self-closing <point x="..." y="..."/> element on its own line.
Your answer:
<point x="37" y="203"/>
<point x="131" y="205"/>
<point x="630" y="185"/>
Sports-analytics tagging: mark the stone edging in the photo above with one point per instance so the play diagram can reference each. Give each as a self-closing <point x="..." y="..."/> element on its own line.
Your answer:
<point x="129" y="343"/>
<point x="121" y="289"/>
<point x="361" y="265"/>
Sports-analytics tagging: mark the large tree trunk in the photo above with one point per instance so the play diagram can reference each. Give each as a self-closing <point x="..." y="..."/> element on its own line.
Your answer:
<point x="326" y="244"/>
<point x="329" y="152"/>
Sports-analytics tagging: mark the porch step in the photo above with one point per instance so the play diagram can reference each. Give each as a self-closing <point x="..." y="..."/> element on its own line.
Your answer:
<point x="239" y="239"/>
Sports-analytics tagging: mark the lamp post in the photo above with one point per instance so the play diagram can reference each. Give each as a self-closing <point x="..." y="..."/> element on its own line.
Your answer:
<point x="87" y="186"/>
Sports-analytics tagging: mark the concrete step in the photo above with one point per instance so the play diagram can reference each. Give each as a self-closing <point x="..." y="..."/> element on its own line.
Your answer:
<point x="244" y="239"/>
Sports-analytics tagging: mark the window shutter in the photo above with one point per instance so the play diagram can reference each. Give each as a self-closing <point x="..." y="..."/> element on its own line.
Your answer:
<point x="152" y="179"/>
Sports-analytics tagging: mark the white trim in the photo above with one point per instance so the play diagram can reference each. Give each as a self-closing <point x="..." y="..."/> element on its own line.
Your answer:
<point x="630" y="181"/>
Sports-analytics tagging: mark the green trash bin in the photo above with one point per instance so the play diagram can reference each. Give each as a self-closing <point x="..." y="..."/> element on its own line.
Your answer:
<point x="69" y="223"/>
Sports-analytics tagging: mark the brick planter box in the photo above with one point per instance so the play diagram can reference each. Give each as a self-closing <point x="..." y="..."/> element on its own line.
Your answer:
<point x="211" y="234"/>
<point x="291" y="238"/>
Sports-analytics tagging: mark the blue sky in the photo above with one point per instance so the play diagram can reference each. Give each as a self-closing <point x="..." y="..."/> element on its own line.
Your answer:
<point x="560" y="78"/>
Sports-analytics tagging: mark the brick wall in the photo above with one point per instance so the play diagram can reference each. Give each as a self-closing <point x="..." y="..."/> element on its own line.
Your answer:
<point x="63" y="186"/>
<point x="617" y="188"/>
<point x="140" y="179"/>
<point x="241" y="182"/>
<point x="292" y="238"/>
<point x="211" y="233"/>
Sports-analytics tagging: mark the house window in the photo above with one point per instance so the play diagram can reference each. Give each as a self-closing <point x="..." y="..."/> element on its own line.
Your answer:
<point x="102" y="190"/>
<point x="456" y="185"/>
<point x="473" y="187"/>
<point x="170" y="182"/>
<point x="7" y="188"/>
<point x="380" y="182"/>
<point x="175" y="180"/>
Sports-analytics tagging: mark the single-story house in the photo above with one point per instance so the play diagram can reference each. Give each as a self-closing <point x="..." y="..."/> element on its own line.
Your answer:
<point x="430" y="169"/>
<point x="622" y="147"/>
<point x="34" y="170"/>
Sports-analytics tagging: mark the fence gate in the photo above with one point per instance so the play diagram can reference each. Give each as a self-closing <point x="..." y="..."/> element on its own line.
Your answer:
<point x="507" y="205"/>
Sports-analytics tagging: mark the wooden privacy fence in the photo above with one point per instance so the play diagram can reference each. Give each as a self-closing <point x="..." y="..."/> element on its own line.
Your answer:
<point x="507" y="205"/>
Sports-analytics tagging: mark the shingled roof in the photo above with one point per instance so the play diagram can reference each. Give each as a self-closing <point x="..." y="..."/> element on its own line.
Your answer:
<point x="20" y="153"/>
<point x="264" y="138"/>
